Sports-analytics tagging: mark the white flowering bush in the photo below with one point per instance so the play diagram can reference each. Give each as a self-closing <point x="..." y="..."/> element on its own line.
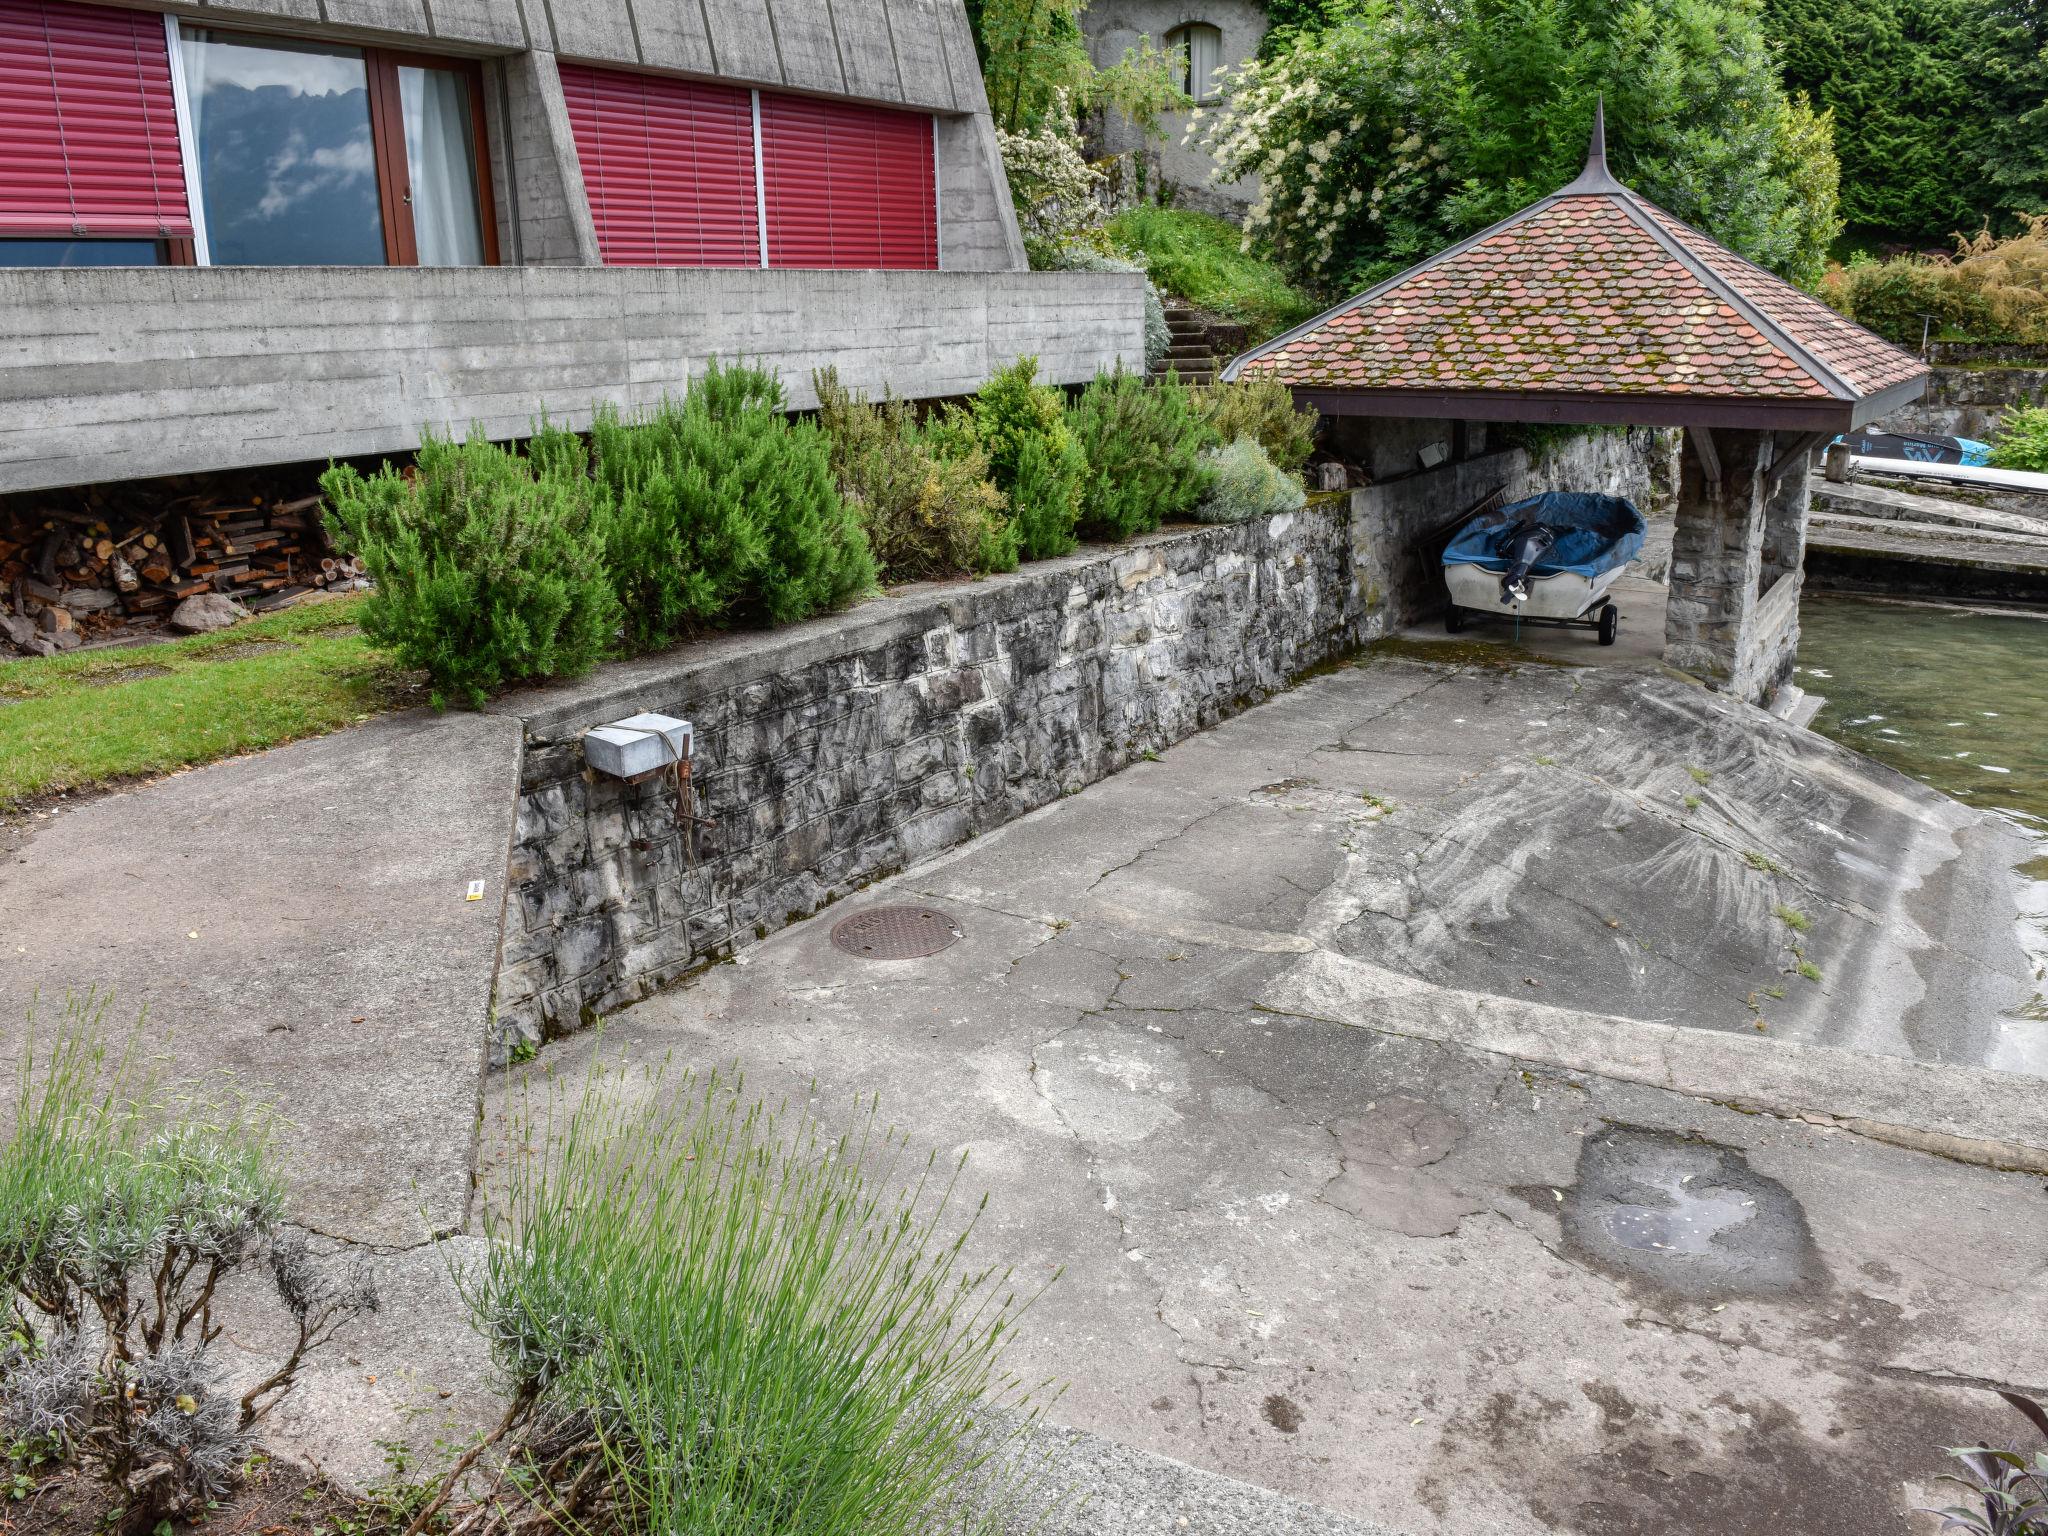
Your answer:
<point x="1334" y="131"/>
<point x="1379" y="140"/>
<point x="1051" y="180"/>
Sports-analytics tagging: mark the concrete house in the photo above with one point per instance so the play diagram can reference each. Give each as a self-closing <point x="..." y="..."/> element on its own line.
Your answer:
<point x="241" y="232"/>
<point x="1211" y="36"/>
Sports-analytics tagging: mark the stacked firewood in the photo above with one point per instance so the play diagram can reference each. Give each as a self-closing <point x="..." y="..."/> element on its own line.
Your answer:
<point x="77" y="564"/>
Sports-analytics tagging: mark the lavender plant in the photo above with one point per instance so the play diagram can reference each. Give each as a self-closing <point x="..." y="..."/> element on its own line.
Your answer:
<point x="124" y="1207"/>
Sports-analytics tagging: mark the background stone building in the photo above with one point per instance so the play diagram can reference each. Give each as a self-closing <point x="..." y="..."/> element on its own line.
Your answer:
<point x="1214" y="34"/>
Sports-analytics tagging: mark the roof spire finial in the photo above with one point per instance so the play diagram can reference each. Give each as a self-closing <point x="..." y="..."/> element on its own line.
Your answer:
<point x="1595" y="177"/>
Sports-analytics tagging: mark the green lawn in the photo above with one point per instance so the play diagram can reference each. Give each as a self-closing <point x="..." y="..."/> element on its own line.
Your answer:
<point x="1195" y="256"/>
<point x="68" y="722"/>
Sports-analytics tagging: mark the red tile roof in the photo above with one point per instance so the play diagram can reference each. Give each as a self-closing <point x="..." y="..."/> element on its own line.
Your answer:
<point x="1590" y="291"/>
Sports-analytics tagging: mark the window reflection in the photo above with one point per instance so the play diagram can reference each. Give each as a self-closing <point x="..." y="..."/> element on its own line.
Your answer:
<point x="80" y="253"/>
<point x="287" y="165"/>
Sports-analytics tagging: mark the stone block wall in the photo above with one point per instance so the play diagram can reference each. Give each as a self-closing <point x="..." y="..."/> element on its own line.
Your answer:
<point x="1969" y="401"/>
<point x="836" y="752"/>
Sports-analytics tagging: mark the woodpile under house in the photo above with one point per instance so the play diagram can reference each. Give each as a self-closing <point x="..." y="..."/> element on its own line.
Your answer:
<point x="105" y="562"/>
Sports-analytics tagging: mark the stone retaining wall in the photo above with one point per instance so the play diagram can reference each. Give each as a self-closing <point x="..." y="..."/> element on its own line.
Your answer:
<point x="833" y="753"/>
<point x="1963" y="401"/>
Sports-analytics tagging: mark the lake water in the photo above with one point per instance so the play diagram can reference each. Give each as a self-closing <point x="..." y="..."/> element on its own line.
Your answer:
<point x="1956" y="697"/>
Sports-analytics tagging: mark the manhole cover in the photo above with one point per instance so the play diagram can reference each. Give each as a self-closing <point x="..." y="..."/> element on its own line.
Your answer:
<point x="895" y="933"/>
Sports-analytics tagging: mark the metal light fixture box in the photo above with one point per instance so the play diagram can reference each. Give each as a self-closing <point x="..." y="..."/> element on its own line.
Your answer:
<point x="640" y="744"/>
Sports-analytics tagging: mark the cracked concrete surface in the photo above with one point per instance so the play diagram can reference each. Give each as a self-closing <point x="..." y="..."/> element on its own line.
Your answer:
<point x="1357" y="1064"/>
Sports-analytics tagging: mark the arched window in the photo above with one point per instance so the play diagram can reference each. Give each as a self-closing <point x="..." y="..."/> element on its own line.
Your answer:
<point x="1201" y="47"/>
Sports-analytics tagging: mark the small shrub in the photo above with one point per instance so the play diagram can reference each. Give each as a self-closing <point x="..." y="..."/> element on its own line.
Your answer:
<point x="1143" y="445"/>
<point x="489" y="567"/>
<point x="1246" y="484"/>
<point x="2007" y="1489"/>
<point x="2022" y="440"/>
<point x="1263" y="410"/>
<point x="124" y="1215"/>
<point x="925" y="498"/>
<point x="720" y="506"/>
<point x="714" y="1319"/>
<point x="1896" y="299"/>
<point x="1032" y="456"/>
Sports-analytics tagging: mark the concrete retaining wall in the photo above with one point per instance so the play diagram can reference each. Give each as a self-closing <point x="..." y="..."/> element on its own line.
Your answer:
<point x="112" y="374"/>
<point x="836" y="752"/>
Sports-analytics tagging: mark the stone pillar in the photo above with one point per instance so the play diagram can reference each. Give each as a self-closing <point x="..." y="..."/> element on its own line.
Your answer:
<point x="1716" y="556"/>
<point x="1773" y="643"/>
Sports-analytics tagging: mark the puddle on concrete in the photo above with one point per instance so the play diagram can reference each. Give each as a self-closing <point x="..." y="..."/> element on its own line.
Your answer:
<point x="1688" y="1216"/>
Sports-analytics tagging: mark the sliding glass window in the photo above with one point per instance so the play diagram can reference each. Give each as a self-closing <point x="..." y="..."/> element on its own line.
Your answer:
<point x="312" y="154"/>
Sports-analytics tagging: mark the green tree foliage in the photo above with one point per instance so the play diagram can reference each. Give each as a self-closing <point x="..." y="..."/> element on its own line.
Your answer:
<point x="1033" y="458"/>
<point x="1143" y="445"/>
<point x="1940" y="106"/>
<point x="1383" y="138"/>
<point x="489" y="567"/>
<point x="1036" y="67"/>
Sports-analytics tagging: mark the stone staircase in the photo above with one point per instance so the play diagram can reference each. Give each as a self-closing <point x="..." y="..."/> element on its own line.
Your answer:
<point x="1191" y="356"/>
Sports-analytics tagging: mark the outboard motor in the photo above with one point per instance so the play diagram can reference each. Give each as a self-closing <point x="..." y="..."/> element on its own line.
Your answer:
<point x="1522" y="546"/>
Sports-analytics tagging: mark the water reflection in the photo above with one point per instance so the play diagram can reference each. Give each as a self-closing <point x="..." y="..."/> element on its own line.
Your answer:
<point x="1956" y="697"/>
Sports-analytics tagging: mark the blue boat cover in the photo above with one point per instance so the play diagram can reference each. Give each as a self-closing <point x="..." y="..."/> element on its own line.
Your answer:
<point x="1595" y="533"/>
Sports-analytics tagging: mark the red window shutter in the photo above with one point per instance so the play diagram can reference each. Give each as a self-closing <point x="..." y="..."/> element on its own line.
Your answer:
<point x="848" y="185"/>
<point x="88" y="124"/>
<point x="669" y="168"/>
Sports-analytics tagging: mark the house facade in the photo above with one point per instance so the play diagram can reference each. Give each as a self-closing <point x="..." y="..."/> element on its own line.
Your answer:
<point x="266" y="231"/>
<point x="1212" y="37"/>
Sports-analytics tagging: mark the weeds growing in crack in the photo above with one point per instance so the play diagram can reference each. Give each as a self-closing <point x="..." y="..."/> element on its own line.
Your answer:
<point x="711" y="1315"/>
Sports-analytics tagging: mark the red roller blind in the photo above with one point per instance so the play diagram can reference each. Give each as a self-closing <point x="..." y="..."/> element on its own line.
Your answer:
<point x="669" y="167"/>
<point x="88" y="125"/>
<point x="847" y="185"/>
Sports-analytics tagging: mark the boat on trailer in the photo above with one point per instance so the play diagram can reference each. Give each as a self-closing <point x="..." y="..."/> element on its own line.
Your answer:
<point x="1546" y="559"/>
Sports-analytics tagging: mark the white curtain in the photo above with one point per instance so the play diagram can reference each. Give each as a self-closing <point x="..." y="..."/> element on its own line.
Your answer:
<point x="1205" y="57"/>
<point x="441" y="160"/>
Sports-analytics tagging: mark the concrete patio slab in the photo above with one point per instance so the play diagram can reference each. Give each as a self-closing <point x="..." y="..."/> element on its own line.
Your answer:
<point x="1265" y="1048"/>
<point x="297" y="919"/>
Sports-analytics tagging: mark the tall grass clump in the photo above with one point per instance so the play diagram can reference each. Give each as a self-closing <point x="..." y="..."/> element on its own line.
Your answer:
<point x="1143" y="446"/>
<point x="1201" y="258"/>
<point x="125" y="1211"/>
<point x="923" y="494"/>
<point x="715" y="1318"/>
<point x="489" y="565"/>
<point x="1264" y="410"/>
<point x="718" y="506"/>
<point x="1032" y="457"/>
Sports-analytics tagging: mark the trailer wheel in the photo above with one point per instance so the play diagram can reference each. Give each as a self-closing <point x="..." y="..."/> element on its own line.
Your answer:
<point x="1454" y="620"/>
<point x="1610" y="623"/>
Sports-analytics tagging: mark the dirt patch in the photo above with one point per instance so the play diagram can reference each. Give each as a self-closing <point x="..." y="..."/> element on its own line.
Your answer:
<point x="125" y="675"/>
<point x="237" y="649"/>
<point x="1283" y="1413"/>
<point x="278" y="1499"/>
